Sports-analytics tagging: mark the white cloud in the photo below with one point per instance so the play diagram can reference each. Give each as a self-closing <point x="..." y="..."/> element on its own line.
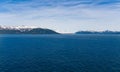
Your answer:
<point x="61" y="18"/>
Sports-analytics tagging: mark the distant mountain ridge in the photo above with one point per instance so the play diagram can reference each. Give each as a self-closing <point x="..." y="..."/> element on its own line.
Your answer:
<point x="9" y="30"/>
<point x="96" y="32"/>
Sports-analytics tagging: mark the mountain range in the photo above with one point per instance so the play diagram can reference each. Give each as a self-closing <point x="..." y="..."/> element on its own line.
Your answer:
<point x="16" y="30"/>
<point x="96" y="32"/>
<point x="35" y="30"/>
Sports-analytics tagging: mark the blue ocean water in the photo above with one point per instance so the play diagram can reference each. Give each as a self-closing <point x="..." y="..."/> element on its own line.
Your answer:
<point x="60" y="53"/>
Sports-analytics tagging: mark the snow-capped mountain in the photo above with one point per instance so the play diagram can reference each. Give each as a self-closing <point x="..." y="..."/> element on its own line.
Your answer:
<point x="25" y="30"/>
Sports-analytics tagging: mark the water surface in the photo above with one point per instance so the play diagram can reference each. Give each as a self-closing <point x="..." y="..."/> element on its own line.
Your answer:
<point x="59" y="53"/>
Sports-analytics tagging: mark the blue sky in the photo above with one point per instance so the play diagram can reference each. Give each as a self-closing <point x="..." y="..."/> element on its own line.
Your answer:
<point x="64" y="16"/>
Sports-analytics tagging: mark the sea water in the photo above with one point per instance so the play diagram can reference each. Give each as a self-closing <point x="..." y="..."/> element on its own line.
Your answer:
<point x="60" y="53"/>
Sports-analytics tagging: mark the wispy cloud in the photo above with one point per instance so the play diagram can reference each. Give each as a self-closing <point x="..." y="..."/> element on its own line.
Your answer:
<point x="62" y="15"/>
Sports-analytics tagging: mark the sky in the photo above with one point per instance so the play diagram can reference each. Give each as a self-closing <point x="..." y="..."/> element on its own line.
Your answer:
<point x="65" y="16"/>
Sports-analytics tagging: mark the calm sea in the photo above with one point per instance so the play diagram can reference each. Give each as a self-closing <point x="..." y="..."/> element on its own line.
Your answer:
<point x="59" y="53"/>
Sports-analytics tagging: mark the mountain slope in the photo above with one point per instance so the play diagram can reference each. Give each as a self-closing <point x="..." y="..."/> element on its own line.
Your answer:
<point x="26" y="31"/>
